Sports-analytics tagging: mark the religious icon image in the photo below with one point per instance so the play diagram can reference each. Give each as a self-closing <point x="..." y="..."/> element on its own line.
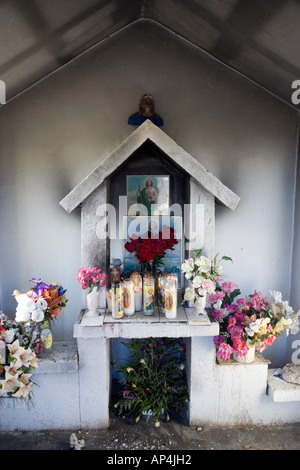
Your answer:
<point x="149" y="299"/>
<point x="152" y="191"/>
<point x="146" y="111"/>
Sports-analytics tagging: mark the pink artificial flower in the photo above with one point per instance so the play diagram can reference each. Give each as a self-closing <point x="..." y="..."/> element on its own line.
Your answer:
<point x="224" y="351"/>
<point x="90" y="276"/>
<point x="218" y="340"/>
<point x="231" y="308"/>
<point x="240" y="347"/>
<point x="269" y="341"/>
<point x="236" y="331"/>
<point x="217" y="314"/>
<point x="208" y="284"/>
<point x="231" y="322"/>
<point x="228" y="287"/>
<point x="239" y="317"/>
<point x="217" y="295"/>
<point x="241" y="301"/>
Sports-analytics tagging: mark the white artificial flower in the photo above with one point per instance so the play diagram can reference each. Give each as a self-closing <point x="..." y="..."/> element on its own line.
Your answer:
<point x="218" y="304"/>
<point x="276" y="296"/>
<point x="41" y="303"/>
<point x="189" y="275"/>
<point x="197" y="281"/>
<point x="9" y="336"/>
<point x="203" y="263"/>
<point x="188" y="266"/>
<point x="37" y="315"/>
<point x="25" y="302"/>
<point x="219" y="270"/>
<point x="288" y="310"/>
<point x="22" y="315"/>
<point x="189" y="293"/>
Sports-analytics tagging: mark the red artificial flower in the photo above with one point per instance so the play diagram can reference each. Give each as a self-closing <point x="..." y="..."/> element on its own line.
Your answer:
<point x="151" y="248"/>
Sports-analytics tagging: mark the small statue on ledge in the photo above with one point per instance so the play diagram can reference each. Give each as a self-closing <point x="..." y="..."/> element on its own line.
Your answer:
<point x="146" y="111"/>
<point x="116" y="272"/>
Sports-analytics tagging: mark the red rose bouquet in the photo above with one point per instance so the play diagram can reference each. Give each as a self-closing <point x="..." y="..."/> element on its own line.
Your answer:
<point x="152" y="247"/>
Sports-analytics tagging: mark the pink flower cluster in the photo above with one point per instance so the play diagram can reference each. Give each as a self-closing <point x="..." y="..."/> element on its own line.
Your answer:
<point x="236" y="321"/>
<point x="90" y="277"/>
<point x="237" y="336"/>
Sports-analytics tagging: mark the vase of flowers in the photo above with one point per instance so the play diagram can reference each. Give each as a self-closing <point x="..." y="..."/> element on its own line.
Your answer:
<point x="246" y="358"/>
<point x="92" y="279"/>
<point x="202" y="274"/>
<point x="37" y="308"/>
<point x="200" y="303"/>
<point x="151" y="249"/>
<point x="250" y="323"/>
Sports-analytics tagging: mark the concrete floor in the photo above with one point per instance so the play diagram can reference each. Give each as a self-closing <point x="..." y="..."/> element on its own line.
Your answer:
<point x="144" y="436"/>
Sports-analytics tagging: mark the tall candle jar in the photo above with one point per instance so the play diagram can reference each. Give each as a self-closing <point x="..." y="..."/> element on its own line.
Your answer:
<point x="117" y="300"/>
<point x="128" y="296"/>
<point x="171" y="285"/>
<point x="148" y="294"/>
<point x="138" y="290"/>
<point x="108" y="300"/>
<point x="161" y="280"/>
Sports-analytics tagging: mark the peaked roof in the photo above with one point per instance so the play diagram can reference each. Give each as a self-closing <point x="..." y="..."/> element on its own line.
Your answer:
<point x="150" y="131"/>
<point x="258" y="39"/>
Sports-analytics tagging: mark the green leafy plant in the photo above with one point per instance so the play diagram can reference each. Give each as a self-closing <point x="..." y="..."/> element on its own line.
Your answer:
<point x="154" y="378"/>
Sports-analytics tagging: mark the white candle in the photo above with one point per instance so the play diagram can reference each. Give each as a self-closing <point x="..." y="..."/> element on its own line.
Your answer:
<point x="138" y="299"/>
<point x="171" y="296"/>
<point x="128" y="295"/>
<point x="108" y="300"/>
<point x="148" y="294"/>
<point x="138" y="292"/>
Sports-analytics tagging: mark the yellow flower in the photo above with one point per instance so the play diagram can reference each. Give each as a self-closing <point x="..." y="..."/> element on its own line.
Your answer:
<point x="16" y="292"/>
<point x="282" y="324"/>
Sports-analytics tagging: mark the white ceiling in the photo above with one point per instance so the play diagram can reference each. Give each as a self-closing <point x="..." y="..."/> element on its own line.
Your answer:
<point x="258" y="38"/>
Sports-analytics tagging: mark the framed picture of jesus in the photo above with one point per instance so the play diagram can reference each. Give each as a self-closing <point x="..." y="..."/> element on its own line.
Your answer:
<point x="148" y="194"/>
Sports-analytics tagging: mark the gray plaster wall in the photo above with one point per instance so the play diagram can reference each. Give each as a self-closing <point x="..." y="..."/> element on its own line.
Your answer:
<point x="57" y="132"/>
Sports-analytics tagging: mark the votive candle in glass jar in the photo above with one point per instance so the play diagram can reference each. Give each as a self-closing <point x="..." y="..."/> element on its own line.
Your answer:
<point x="138" y="290"/>
<point x="171" y="284"/>
<point x="148" y="294"/>
<point x="117" y="300"/>
<point x="161" y="280"/>
<point x="128" y="296"/>
<point x="108" y="300"/>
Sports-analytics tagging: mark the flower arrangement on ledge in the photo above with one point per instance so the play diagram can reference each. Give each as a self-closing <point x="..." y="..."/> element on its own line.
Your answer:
<point x="90" y="278"/>
<point x="153" y="247"/>
<point x="17" y="359"/>
<point x="251" y="321"/>
<point x="154" y="379"/>
<point x="202" y="273"/>
<point x="40" y="304"/>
